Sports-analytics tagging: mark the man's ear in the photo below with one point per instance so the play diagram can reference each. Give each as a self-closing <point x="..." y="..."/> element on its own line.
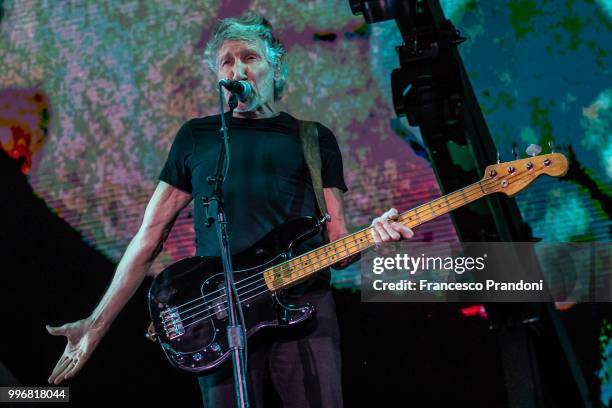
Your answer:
<point x="280" y="69"/>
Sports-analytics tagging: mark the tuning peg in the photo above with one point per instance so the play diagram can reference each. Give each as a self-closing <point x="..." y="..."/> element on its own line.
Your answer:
<point x="515" y="151"/>
<point x="551" y="144"/>
<point x="533" y="150"/>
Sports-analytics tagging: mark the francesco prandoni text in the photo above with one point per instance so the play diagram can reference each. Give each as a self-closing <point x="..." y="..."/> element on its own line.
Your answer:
<point x="425" y="285"/>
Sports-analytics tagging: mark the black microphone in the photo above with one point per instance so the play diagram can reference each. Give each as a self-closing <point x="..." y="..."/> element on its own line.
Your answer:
<point x="242" y="89"/>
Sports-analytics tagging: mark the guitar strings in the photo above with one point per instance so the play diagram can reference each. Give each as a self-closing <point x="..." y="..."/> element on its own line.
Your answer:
<point x="415" y="210"/>
<point x="266" y="290"/>
<point x="485" y="184"/>
<point x="470" y="194"/>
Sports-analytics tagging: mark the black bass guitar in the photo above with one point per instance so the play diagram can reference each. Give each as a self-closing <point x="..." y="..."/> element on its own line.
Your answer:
<point x="187" y="300"/>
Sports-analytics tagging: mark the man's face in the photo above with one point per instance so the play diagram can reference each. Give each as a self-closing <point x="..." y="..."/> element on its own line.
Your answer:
<point x="246" y="61"/>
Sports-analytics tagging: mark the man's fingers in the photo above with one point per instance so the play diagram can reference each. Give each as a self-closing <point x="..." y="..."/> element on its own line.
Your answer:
<point x="404" y="231"/>
<point x="384" y="229"/>
<point x="66" y="368"/>
<point x="62" y="374"/>
<point x="74" y="365"/>
<point x="59" y="368"/>
<point x="392" y="214"/>
<point x="391" y="232"/>
<point x="76" y="368"/>
<point x="384" y="235"/>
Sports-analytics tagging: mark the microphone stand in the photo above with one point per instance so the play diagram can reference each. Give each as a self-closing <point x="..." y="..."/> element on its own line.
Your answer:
<point x="236" y="334"/>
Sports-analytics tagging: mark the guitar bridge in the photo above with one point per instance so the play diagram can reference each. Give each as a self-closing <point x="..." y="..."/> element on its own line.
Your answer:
<point x="173" y="325"/>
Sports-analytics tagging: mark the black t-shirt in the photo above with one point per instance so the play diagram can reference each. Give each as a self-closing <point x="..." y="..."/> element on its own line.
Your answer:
<point x="268" y="181"/>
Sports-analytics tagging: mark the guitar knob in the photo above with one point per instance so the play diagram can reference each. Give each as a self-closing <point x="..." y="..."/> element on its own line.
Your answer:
<point x="492" y="173"/>
<point x="511" y="170"/>
<point x="529" y="165"/>
<point x="533" y="150"/>
<point x="547" y="162"/>
<point x="197" y="356"/>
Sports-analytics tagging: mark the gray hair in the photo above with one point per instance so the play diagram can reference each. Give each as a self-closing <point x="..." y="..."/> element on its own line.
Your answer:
<point x="250" y="28"/>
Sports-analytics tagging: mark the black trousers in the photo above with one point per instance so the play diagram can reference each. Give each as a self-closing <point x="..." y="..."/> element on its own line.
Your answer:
<point x="297" y="367"/>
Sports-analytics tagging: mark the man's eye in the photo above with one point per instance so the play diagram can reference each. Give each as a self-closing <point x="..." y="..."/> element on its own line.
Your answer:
<point x="251" y="57"/>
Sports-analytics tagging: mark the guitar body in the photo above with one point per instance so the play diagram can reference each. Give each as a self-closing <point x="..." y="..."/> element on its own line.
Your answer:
<point x="187" y="300"/>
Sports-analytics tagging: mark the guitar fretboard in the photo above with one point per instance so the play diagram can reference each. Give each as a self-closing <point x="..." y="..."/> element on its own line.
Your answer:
<point x="297" y="269"/>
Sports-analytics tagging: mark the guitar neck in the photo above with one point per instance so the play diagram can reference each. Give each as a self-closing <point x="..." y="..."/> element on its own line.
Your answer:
<point x="297" y="269"/>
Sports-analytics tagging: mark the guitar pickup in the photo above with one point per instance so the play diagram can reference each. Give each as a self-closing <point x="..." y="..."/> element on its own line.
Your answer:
<point x="173" y="325"/>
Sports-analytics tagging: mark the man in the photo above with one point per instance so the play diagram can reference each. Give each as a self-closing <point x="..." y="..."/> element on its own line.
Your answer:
<point x="268" y="184"/>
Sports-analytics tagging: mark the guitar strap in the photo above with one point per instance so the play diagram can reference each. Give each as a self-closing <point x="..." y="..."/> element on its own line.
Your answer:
<point x="309" y="136"/>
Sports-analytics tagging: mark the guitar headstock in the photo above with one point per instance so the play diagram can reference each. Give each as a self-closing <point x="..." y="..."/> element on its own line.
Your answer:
<point x="513" y="176"/>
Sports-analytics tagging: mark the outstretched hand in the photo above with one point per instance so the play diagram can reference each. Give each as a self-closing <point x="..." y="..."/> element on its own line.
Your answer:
<point x="82" y="341"/>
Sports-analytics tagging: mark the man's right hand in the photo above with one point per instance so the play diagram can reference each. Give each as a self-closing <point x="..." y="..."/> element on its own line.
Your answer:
<point x="82" y="341"/>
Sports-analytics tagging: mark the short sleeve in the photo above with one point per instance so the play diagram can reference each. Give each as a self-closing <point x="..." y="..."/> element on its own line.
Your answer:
<point x="177" y="171"/>
<point x="331" y="160"/>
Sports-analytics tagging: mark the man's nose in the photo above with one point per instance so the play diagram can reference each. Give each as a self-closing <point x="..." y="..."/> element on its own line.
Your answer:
<point x="239" y="71"/>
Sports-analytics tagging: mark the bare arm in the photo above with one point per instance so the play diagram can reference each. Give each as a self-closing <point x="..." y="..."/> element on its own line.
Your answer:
<point x="334" y="199"/>
<point x="336" y="227"/>
<point x="84" y="335"/>
<point x="160" y="214"/>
